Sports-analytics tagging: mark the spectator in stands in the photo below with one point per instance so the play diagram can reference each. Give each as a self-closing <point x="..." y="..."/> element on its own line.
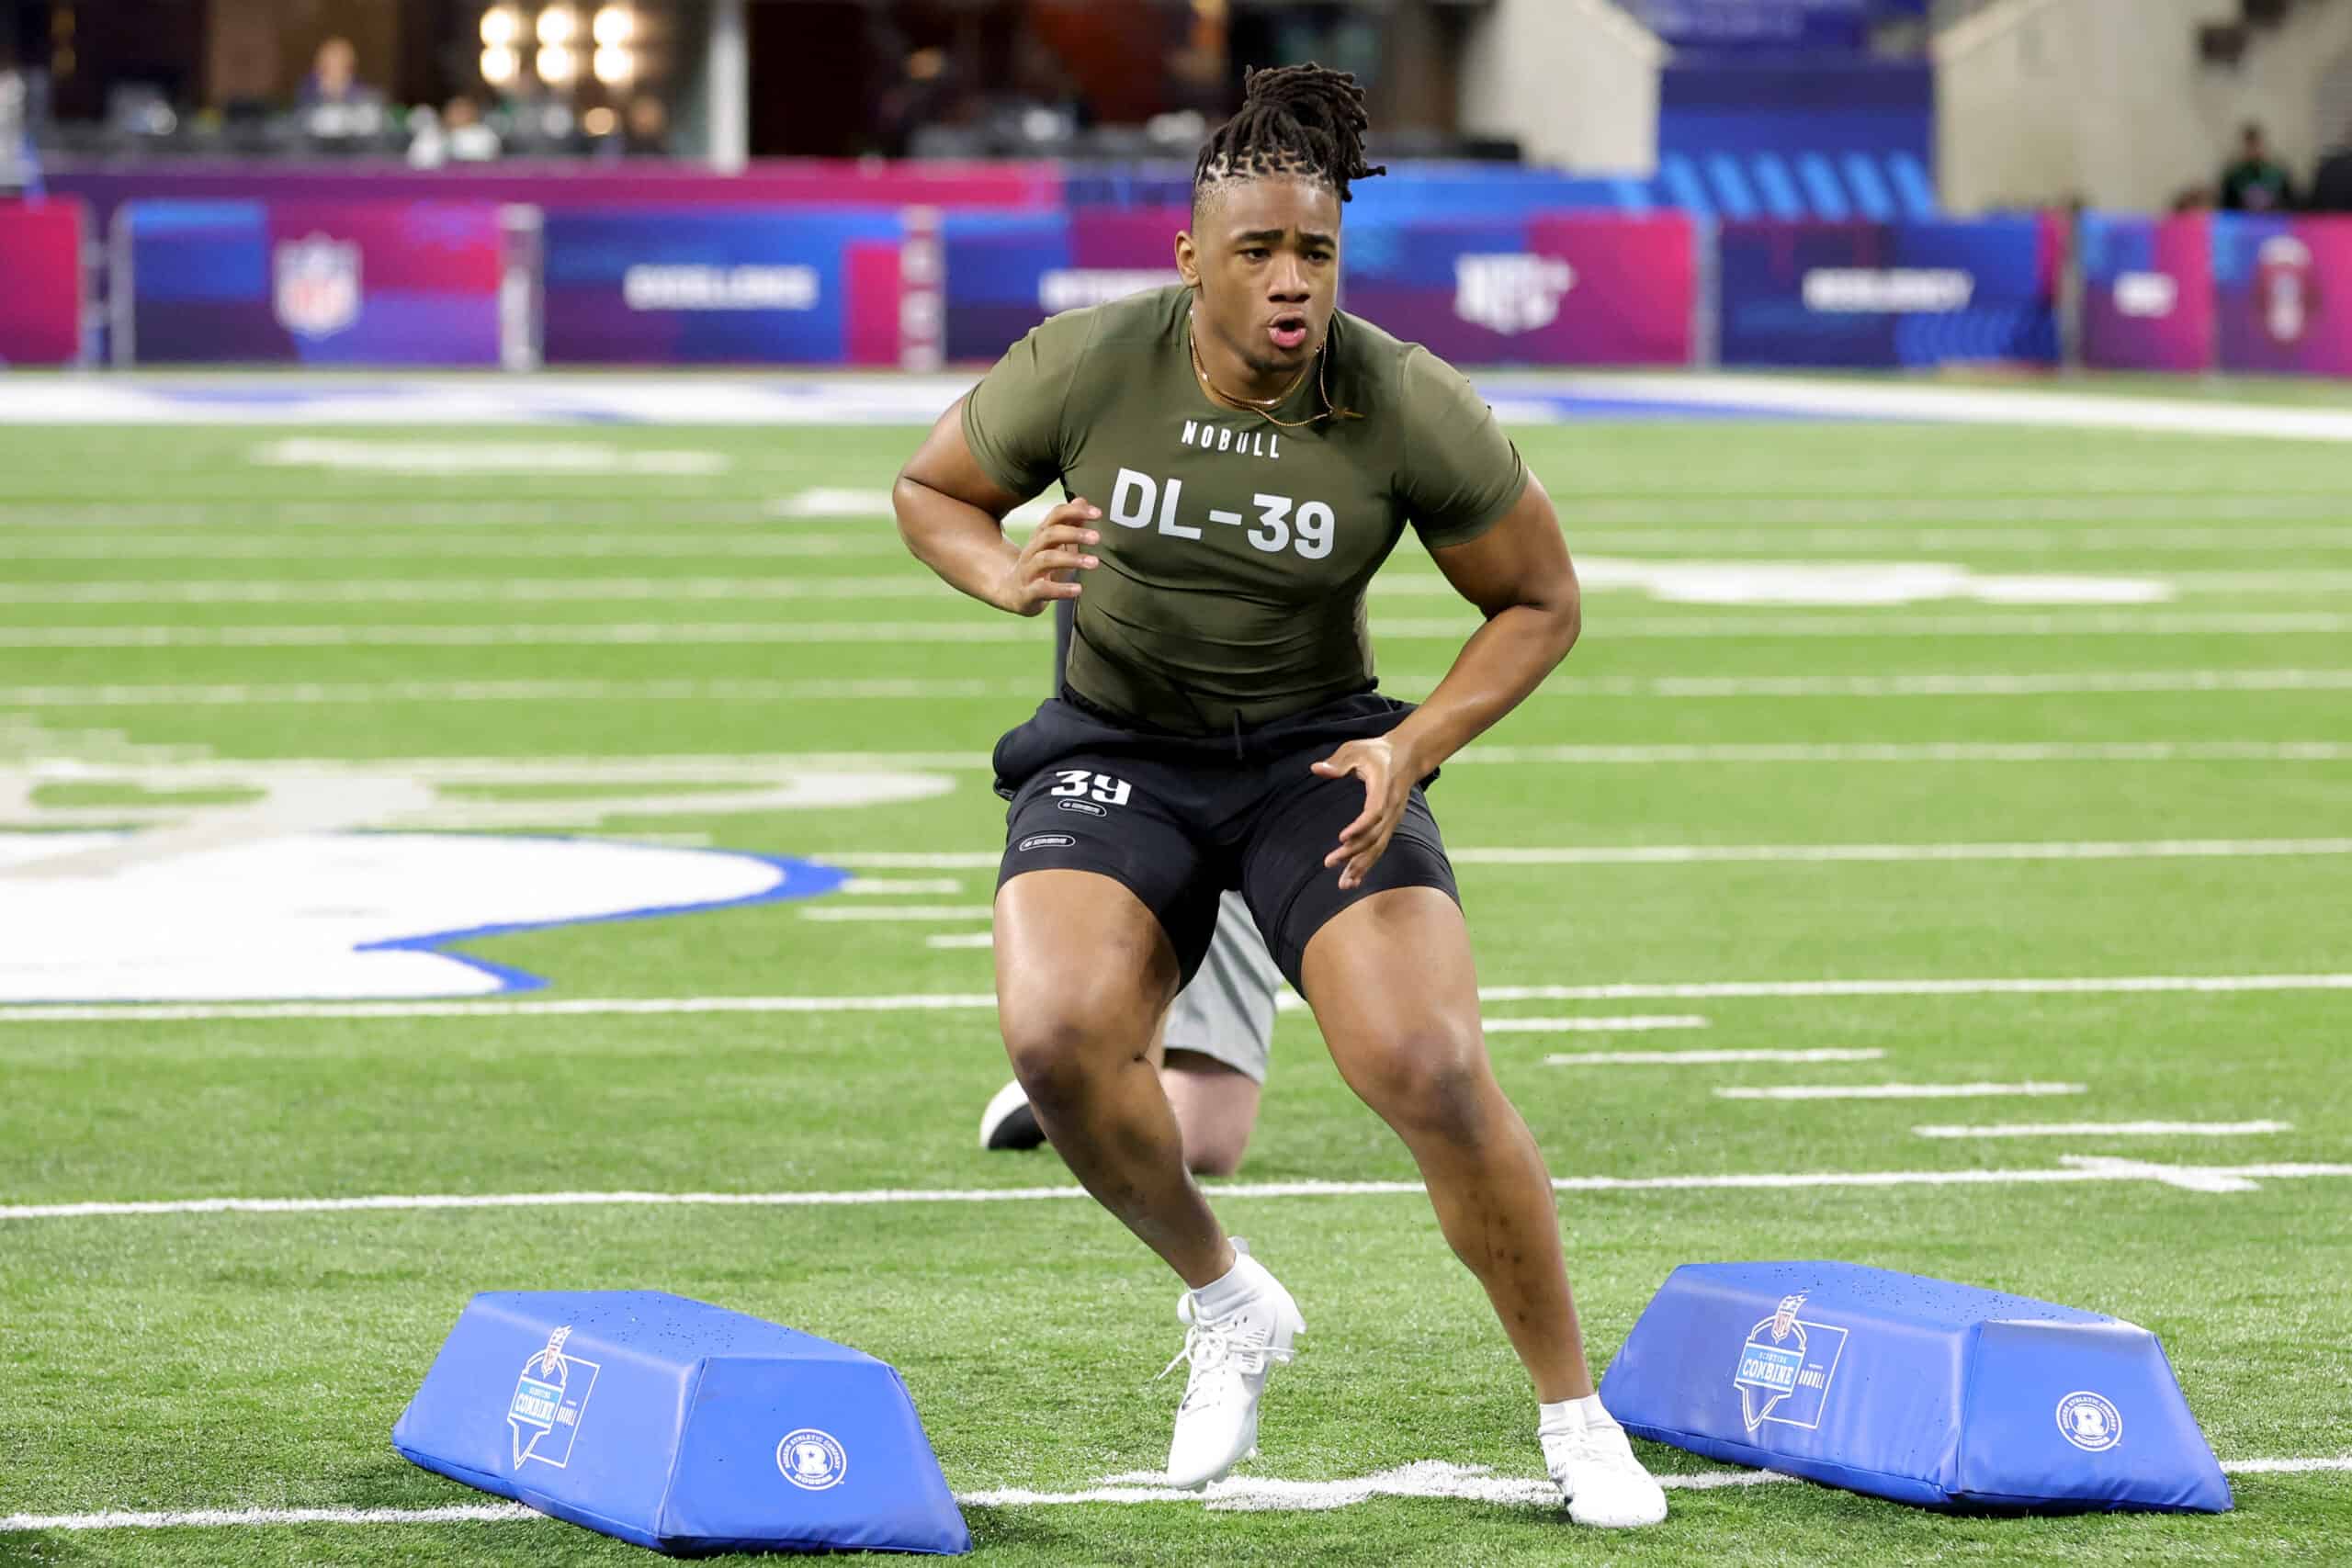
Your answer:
<point x="2332" y="186"/>
<point x="334" y="80"/>
<point x="644" y="129"/>
<point x="470" y="140"/>
<point x="2257" y="182"/>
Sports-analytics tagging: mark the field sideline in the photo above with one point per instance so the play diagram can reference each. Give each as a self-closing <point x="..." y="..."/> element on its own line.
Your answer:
<point x="1935" y="856"/>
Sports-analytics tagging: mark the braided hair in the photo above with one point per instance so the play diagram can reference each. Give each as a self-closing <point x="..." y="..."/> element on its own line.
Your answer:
<point x="1293" y="120"/>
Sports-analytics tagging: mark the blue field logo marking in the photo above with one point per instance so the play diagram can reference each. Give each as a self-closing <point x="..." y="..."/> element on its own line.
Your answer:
<point x="550" y="1398"/>
<point x="1785" y="1367"/>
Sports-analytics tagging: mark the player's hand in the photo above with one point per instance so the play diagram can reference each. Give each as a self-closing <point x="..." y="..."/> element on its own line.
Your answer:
<point x="1387" y="786"/>
<point x="1047" y="566"/>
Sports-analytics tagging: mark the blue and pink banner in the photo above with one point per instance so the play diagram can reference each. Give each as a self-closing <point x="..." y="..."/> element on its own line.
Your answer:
<point x="1007" y="272"/>
<point x="730" y="285"/>
<point x="2283" y="293"/>
<point x="373" y="283"/>
<point x="1889" y="295"/>
<point x="2147" y="291"/>
<point x="41" y="283"/>
<point x="1569" y="288"/>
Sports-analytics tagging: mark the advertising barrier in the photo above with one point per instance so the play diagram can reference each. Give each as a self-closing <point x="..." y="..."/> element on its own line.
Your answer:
<point x="2147" y="291"/>
<point x="699" y="287"/>
<point x="1568" y="288"/>
<point x="41" y="283"/>
<point x="2283" y="293"/>
<point x="376" y="283"/>
<point x="1005" y="274"/>
<point x="1889" y="295"/>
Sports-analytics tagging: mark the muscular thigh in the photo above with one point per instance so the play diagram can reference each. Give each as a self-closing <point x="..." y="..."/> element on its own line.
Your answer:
<point x="1080" y="960"/>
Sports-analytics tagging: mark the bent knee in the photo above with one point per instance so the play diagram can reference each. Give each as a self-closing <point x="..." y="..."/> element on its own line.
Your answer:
<point x="1059" y="1047"/>
<point x="1434" y="1081"/>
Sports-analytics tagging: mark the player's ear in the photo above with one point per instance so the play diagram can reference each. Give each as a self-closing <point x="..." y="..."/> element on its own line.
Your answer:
<point x="1188" y="259"/>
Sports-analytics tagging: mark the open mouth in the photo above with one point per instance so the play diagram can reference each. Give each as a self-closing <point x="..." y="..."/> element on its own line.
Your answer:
<point x="1288" y="331"/>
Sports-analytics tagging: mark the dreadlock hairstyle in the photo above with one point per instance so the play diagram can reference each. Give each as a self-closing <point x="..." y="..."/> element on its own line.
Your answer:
<point x="1293" y="120"/>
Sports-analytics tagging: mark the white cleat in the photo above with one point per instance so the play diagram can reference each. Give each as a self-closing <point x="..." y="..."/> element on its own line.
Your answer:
<point x="1601" y="1482"/>
<point x="1216" y="1424"/>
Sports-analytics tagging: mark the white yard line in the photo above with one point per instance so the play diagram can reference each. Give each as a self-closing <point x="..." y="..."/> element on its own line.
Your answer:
<point x="1695" y="854"/>
<point x="1594" y="1025"/>
<point x="1703" y="854"/>
<point x="629" y="633"/>
<point x="1902" y="1091"/>
<point x="959" y="939"/>
<point x="899" y="913"/>
<point x="1242" y="1493"/>
<point x="983" y="1001"/>
<point x="2107" y="1130"/>
<point x="880" y="887"/>
<point x="756" y="766"/>
<point x="1946" y="684"/>
<point x="1703" y="1058"/>
<point x="2073" y="1169"/>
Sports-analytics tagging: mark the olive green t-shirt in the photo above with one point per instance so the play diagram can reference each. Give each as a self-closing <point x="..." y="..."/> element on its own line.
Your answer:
<point x="1235" y="554"/>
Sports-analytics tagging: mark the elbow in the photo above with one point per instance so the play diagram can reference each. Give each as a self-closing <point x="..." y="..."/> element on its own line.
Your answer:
<point x="906" y="508"/>
<point x="1563" y="614"/>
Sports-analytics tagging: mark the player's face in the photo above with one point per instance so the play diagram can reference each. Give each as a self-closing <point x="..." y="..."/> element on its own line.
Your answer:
<point x="1267" y="255"/>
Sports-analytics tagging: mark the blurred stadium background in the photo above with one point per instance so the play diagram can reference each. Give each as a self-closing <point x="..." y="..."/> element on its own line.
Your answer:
<point x="1946" y="401"/>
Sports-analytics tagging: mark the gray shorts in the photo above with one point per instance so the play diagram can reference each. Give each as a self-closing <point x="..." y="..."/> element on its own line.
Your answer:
<point x="1228" y="1012"/>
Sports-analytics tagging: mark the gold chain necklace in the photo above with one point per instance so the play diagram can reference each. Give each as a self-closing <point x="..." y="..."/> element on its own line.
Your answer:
<point x="1252" y="405"/>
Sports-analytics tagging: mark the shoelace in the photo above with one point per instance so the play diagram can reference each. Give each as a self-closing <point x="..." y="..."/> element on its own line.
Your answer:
<point x="1213" y="1348"/>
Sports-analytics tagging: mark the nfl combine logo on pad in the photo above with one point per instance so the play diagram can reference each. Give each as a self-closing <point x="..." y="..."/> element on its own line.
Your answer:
<point x="811" y="1460"/>
<point x="1783" y="1375"/>
<point x="546" y="1406"/>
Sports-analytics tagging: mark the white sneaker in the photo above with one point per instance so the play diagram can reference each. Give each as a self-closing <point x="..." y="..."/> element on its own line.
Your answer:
<point x="1601" y="1482"/>
<point x="1216" y="1424"/>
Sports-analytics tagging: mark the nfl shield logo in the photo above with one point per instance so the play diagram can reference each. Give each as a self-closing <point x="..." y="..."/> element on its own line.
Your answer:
<point x="318" y="285"/>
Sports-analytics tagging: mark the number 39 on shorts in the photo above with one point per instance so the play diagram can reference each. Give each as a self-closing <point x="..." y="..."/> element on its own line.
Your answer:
<point x="1077" y="783"/>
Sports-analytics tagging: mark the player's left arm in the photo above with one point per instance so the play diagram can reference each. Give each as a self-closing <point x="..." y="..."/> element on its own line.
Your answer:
<point x="1519" y="575"/>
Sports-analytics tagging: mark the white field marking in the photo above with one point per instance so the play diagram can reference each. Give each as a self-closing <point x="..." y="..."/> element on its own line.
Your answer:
<point x="1695" y="854"/>
<point x="1702" y="855"/>
<point x="1703" y="1058"/>
<point x="433" y="458"/>
<point x="2188" y="1178"/>
<point x="2067" y="684"/>
<point x="2285" y="1466"/>
<point x="1423" y="1478"/>
<point x="1902" y="1091"/>
<point x="1593" y="1025"/>
<point x="900" y="913"/>
<point x="862" y="632"/>
<point x="2073" y="1169"/>
<point x="874" y="505"/>
<point x="2107" y="1130"/>
<point x="219" y="1518"/>
<point x="884" y="886"/>
<point x="303" y="694"/>
<point x="1686" y="581"/>
<point x="979" y="1001"/>
<point x="2040" y="410"/>
<point x="961" y="939"/>
<point x="571" y="539"/>
<point x="160" y="770"/>
<point x="1935" y="752"/>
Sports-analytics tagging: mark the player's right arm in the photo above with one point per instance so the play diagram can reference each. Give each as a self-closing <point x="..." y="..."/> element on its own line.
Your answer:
<point x="951" y="513"/>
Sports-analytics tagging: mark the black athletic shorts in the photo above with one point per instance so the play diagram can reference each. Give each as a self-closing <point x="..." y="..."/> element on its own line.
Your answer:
<point x="1179" y="819"/>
